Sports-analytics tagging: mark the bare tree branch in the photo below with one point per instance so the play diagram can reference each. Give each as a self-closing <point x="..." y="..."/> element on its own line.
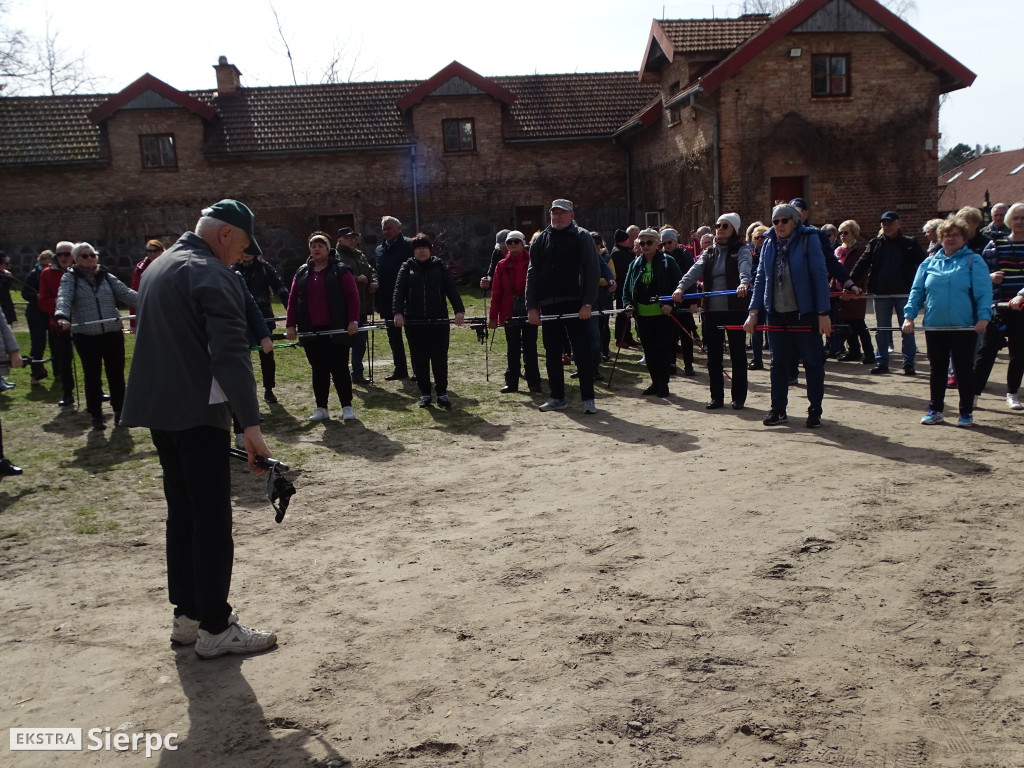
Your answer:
<point x="287" y="48"/>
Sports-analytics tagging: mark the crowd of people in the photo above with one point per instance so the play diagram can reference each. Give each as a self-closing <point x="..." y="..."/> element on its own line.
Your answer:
<point x="200" y="306"/>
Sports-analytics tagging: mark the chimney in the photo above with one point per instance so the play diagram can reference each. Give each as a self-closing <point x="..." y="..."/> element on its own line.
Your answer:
<point x="228" y="77"/>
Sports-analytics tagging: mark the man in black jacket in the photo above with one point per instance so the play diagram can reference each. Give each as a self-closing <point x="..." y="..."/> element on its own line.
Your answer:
<point x="621" y="257"/>
<point x="390" y="255"/>
<point x="893" y="260"/>
<point x="562" y="280"/>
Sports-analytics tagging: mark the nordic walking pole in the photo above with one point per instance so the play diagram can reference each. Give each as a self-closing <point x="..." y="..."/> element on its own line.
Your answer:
<point x="618" y="347"/>
<point x="487" y="331"/>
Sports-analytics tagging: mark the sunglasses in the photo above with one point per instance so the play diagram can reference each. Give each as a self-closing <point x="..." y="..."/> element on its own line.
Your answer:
<point x="780" y="221"/>
<point x="87" y="255"/>
<point x="513" y="240"/>
<point x="721" y="225"/>
<point x="845" y="232"/>
<point x="63" y="253"/>
<point x="648" y="242"/>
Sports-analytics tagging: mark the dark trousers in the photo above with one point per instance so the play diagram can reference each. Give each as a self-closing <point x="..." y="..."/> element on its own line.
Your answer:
<point x="428" y="349"/>
<point x="268" y="369"/>
<point x="38" y="325"/>
<point x="358" y="344"/>
<point x="684" y="335"/>
<point x="657" y="336"/>
<point x="960" y="345"/>
<point x="857" y="336"/>
<point x="397" y="349"/>
<point x="521" y="340"/>
<point x="714" y="342"/>
<point x="1006" y="328"/>
<point x="788" y="349"/>
<point x="62" y="354"/>
<point x="623" y="330"/>
<point x="200" y="551"/>
<point x="105" y="350"/>
<point x="329" y="360"/>
<point x="757" y="346"/>
<point x="578" y="332"/>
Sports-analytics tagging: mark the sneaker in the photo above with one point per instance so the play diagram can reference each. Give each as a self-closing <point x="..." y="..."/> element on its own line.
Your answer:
<point x="509" y="389"/>
<point x="908" y="370"/>
<point x="932" y="417"/>
<point x="269" y="396"/>
<point x="589" y="407"/>
<point x="443" y="401"/>
<point x="320" y="414"/>
<point x="775" y="417"/>
<point x="951" y="382"/>
<point x="880" y="369"/>
<point x="7" y="469"/>
<point x="347" y="413"/>
<point x="965" y="420"/>
<point x="714" y="405"/>
<point x="1013" y="402"/>
<point x="813" y="418"/>
<point x="239" y="440"/>
<point x="849" y="357"/>
<point x="397" y="376"/>
<point x="360" y="379"/>
<point x="424" y="401"/>
<point x="642" y="360"/>
<point x="689" y="372"/>
<point x="5" y="384"/>
<point x="185" y="630"/>
<point x="554" y="404"/>
<point x="237" y="638"/>
<point x="755" y="365"/>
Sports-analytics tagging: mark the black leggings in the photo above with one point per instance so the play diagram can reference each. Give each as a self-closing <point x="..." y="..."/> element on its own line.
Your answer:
<point x="329" y="360"/>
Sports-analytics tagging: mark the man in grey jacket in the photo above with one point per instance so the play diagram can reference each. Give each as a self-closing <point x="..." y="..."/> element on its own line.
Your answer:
<point x="191" y="361"/>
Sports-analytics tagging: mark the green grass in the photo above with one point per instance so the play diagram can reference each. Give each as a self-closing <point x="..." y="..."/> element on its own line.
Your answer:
<point x="79" y="481"/>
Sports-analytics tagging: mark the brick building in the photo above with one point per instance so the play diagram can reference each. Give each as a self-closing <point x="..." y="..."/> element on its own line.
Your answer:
<point x="834" y="100"/>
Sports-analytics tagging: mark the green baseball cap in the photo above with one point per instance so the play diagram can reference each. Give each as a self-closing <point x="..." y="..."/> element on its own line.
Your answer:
<point x="237" y="215"/>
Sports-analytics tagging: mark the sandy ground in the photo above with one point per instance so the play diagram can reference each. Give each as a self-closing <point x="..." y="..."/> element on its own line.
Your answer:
<point x="652" y="584"/>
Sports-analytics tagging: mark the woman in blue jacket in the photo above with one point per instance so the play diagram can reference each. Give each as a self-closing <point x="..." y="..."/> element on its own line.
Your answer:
<point x="955" y="289"/>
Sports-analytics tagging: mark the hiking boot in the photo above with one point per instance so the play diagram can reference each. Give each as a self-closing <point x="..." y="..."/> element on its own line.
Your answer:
<point x="7" y="469"/>
<point x="348" y="413"/>
<point x="775" y="417"/>
<point x="237" y="638"/>
<point x="932" y="417"/>
<point x="185" y="630"/>
<point x="965" y="420"/>
<point x="1013" y="402"/>
<point x="425" y="401"/>
<point x="554" y="404"/>
<point x="443" y="401"/>
<point x="320" y="414"/>
<point x="589" y="407"/>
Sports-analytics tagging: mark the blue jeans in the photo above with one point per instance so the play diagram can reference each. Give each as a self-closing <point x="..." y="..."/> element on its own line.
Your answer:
<point x="790" y="346"/>
<point x="883" y="339"/>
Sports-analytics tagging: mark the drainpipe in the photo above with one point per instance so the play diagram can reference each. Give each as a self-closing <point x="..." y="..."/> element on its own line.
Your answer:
<point x="415" y="189"/>
<point x="714" y="151"/>
<point x="629" y="184"/>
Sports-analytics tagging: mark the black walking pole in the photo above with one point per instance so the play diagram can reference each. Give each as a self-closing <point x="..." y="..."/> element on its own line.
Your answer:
<point x="487" y="331"/>
<point x="373" y="338"/>
<point x="618" y="347"/>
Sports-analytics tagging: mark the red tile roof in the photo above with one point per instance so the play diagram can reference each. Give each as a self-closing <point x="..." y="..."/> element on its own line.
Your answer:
<point x="711" y="35"/>
<point x="319" y="118"/>
<point x="992" y="173"/>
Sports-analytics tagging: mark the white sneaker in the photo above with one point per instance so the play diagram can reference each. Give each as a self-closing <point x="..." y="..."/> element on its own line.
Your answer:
<point x="320" y="414"/>
<point x="642" y="360"/>
<point x="185" y="630"/>
<point x="1014" y="402"/>
<point x="237" y="638"/>
<point x="347" y="413"/>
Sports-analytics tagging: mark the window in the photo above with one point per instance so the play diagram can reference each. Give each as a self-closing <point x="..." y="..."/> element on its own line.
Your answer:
<point x="675" y="114"/>
<point x="158" y="151"/>
<point x="652" y="219"/>
<point x="830" y="75"/>
<point x="459" y="135"/>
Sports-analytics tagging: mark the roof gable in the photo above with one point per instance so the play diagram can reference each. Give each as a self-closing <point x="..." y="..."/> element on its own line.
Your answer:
<point x="455" y="79"/>
<point x="1000" y="175"/>
<point x="149" y="92"/>
<point x="835" y="16"/>
<point x="695" y="37"/>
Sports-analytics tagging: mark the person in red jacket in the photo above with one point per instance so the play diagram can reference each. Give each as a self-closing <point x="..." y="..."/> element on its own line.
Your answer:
<point x="153" y="249"/>
<point x="508" y="307"/>
<point x="60" y="341"/>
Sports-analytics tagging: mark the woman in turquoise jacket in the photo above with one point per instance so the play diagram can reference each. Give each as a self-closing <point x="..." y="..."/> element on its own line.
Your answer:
<point x="955" y="289"/>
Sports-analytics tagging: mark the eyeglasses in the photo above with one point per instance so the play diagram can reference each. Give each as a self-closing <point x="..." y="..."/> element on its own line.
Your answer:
<point x="721" y="225"/>
<point x="780" y="221"/>
<point x="648" y="242"/>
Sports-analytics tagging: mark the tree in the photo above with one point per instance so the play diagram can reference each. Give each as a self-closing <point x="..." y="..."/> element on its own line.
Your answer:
<point x="900" y="7"/>
<point x="14" y="49"/>
<point x="30" y="66"/>
<point x="961" y="153"/>
<point x="335" y="70"/>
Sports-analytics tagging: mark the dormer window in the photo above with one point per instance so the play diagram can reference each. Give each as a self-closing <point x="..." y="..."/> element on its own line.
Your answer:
<point x="158" y="151"/>
<point x="830" y="76"/>
<point x="459" y="135"/>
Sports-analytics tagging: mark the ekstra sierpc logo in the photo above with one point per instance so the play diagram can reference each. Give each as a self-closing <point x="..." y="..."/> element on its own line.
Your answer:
<point x="96" y="739"/>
